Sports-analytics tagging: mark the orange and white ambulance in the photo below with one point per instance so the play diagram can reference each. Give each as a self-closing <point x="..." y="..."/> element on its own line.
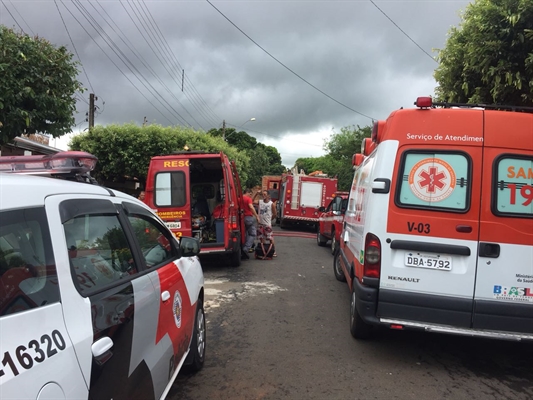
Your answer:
<point x="439" y="226"/>
<point x="199" y="194"/>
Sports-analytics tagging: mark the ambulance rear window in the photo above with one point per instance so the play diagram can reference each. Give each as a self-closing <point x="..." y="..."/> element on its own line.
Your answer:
<point x="435" y="180"/>
<point x="513" y="188"/>
<point x="170" y="189"/>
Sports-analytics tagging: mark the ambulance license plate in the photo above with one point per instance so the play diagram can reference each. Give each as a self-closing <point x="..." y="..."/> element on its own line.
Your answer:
<point x="173" y="225"/>
<point x="431" y="261"/>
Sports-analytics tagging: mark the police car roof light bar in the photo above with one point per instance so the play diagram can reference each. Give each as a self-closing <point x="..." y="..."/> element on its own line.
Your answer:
<point x="65" y="162"/>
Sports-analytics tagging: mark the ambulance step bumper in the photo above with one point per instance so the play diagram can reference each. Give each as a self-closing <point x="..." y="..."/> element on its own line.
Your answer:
<point x="459" y="331"/>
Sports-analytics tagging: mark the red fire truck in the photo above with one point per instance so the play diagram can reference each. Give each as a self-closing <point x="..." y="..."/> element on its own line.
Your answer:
<point x="302" y="196"/>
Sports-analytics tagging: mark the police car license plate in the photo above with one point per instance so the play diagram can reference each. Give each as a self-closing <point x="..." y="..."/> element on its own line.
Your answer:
<point x="431" y="261"/>
<point x="173" y="225"/>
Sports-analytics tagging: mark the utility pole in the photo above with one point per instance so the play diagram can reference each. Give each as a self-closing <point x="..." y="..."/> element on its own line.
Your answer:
<point x="91" y="111"/>
<point x="224" y="129"/>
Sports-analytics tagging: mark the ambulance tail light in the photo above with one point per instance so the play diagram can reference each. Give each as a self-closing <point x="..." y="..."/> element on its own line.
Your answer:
<point x="372" y="266"/>
<point x="233" y="225"/>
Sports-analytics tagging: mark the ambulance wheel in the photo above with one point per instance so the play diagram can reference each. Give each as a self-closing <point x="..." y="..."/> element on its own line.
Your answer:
<point x="235" y="259"/>
<point x="320" y="240"/>
<point x="196" y="357"/>
<point x="333" y="242"/>
<point x="337" y="268"/>
<point x="358" y="328"/>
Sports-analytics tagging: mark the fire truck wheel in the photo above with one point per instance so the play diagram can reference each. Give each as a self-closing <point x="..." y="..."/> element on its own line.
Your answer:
<point x="320" y="240"/>
<point x="358" y="328"/>
<point x="337" y="269"/>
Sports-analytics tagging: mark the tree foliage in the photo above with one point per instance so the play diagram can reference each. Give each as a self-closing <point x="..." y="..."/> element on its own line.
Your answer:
<point x="264" y="160"/>
<point x="338" y="161"/>
<point x="489" y="58"/>
<point x="125" y="150"/>
<point x="37" y="86"/>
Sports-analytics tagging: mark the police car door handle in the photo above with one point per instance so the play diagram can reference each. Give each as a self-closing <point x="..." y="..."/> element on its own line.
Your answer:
<point x="490" y="250"/>
<point x="165" y="295"/>
<point x="101" y="346"/>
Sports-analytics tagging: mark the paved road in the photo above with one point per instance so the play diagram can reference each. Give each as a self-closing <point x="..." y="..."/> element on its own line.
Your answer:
<point x="279" y="330"/>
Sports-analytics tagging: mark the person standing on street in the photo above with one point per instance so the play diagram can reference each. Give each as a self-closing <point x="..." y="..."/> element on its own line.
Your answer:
<point x="267" y="212"/>
<point x="250" y="218"/>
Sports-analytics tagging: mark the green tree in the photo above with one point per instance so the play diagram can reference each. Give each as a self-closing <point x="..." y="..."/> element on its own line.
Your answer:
<point x="489" y="58"/>
<point x="264" y="160"/>
<point x="37" y="86"/>
<point x="125" y="150"/>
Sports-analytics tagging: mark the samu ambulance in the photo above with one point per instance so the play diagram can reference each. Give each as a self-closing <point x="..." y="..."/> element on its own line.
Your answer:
<point x="438" y="232"/>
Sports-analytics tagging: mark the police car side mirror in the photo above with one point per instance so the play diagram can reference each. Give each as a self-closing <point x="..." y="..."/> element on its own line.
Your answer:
<point x="189" y="246"/>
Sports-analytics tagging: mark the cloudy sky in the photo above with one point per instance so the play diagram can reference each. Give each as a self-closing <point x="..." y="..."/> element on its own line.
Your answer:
<point x="302" y="69"/>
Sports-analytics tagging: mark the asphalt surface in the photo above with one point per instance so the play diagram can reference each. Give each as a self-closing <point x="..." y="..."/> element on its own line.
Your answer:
<point x="279" y="329"/>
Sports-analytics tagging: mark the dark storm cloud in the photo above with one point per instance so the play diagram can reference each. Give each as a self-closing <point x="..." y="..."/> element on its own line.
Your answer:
<point x="348" y="49"/>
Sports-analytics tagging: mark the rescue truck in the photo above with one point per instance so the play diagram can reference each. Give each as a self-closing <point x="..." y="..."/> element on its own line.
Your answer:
<point x="439" y="226"/>
<point x="199" y="194"/>
<point x="98" y="299"/>
<point x="331" y="221"/>
<point x="302" y="196"/>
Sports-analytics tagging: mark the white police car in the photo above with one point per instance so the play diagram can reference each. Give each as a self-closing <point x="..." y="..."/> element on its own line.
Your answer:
<point x="97" y="298"/>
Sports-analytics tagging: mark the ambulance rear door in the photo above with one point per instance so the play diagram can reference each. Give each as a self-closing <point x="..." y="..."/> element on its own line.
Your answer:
<point x="239" y="203"/>
<point x="504" y="282"/>
<point x="428" y="272"/>
<point x="168" y="192"/>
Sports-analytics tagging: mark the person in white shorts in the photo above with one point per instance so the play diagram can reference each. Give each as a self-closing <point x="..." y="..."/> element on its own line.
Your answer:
<point x="267" y="213"/>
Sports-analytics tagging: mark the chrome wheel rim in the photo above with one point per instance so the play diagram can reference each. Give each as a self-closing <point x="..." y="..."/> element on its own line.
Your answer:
<point x="200" y="333"/>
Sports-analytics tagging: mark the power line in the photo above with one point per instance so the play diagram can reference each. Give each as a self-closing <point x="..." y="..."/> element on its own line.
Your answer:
<point x="199" y="105"/>
<point x="73" y="45"/>
<point x="14" y="19"/>
<point x="20" y="15"/>
<point x="133" y="69"/>
<point x="145" y="24"/>
<point x="401" y="30"/>
<point x="115" y="64"/>
<point x="287" y="68"/>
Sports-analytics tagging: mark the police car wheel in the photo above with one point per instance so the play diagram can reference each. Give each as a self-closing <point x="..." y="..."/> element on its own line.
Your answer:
<point x="337" y="269"/>
<point x="358" y="328"/>
<point x="320" y="240"/>
<point x="195" y="358"/>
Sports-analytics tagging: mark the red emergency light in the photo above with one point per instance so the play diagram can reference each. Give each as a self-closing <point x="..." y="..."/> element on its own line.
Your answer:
<point x="65" y="162"/>
<point x="424" y="102"/>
